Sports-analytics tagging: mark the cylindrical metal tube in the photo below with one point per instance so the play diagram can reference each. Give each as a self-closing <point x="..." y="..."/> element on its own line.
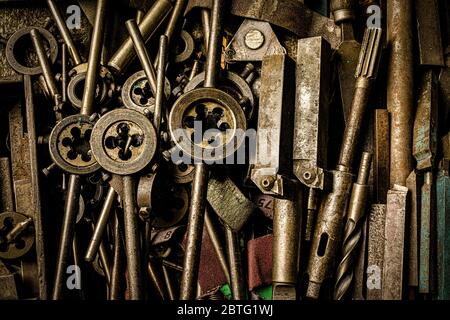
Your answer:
<point x="64" y="31"/>
<point x="65" y="244"/>
<point x="169" y="286"/>
<point x="139" y="16"/>
<point x="100" y="226"/>
<point x="103" y="255"/>
<point x="286" y="240"/>
<point x="206" y="24"/>
<point x="141" y="51"/>
<point x="214" y="44"/>
<point x="132" y="245"/>
<point x="90" y="83"/>
<point x="342" y="10"/>
<point x="154" y="278"/>
<point x="217" y="244"/>
<point x="160" y="83"/>
<point x="194" y="233"/>
<point x="178" y="10"/>
<point x="353" y="127"/>
<point x="76" y="261"/>
<point x="115" y="289"/>
<point x="234" y="258"/>
<point x="44" y="62"/>
<point x="150" y="23"/>
<point x="64" y="75"/>
<point x="400" y="88"/>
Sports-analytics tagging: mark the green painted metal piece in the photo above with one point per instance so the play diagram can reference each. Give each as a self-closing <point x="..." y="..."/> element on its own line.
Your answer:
<point x="226" y="291"/>
<point x="265" y="292"/>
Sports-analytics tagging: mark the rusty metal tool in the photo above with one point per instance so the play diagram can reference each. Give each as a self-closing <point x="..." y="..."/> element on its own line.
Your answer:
<point x="64" y="31"/>
<point x="431" y="52"/>
<point x="375" y="251"/>
<point x="381" y="155"/>
<point x="400" y="88"/>
<point x="413" y="185"/>
<point x="353" y="228"/>
<point x="286" y="245"/>
<point x="311" y="121"/>
<point x="327" y="233"/>
<point x="347" y="52"/>
<point x="149" y="24"/>
<point x="74" y="185"/>
<point x="235" y="264"/>
<point x="424" y="151"/>
<point x="392" y="277"/>
<point x="227" y="106"/>
<point x="443" y="237"/>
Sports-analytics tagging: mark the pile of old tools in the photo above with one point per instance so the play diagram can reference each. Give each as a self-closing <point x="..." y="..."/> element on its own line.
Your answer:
<point x="213" y="149"/>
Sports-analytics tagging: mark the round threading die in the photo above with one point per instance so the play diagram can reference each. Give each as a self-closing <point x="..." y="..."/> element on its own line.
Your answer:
<point x="104" y="89"/>
<point x="169" y="202"/>
<point x="22" y="242"/>
<point x="207" y="124"/>
<point x="137" y="95"/>
<point x="182" y="173"/>
<point x="184" y="47"/>
<point x="123" y="141"/>
<point x="69" y="145"/>
<point x="232" y="84"/>
<point x="171" y="205"/>
<point x="12" y="50"/>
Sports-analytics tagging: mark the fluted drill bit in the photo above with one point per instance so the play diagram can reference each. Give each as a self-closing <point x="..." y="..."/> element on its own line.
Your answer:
<point x="353" y="229"/>
<point x="328" y="229"/>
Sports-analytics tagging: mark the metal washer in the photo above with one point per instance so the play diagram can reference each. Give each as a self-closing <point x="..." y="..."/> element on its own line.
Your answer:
<point x="11" y="44"/>
<point x="106" y="124"/>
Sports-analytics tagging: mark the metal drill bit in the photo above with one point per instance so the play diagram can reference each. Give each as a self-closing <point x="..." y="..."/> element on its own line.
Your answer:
<point x="328" y="229"/>
<point x="352" y="232"/>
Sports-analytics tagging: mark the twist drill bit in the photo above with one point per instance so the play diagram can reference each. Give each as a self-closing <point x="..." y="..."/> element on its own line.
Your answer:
<point x="328" y="229"/>
<point x="353" y="228"/>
